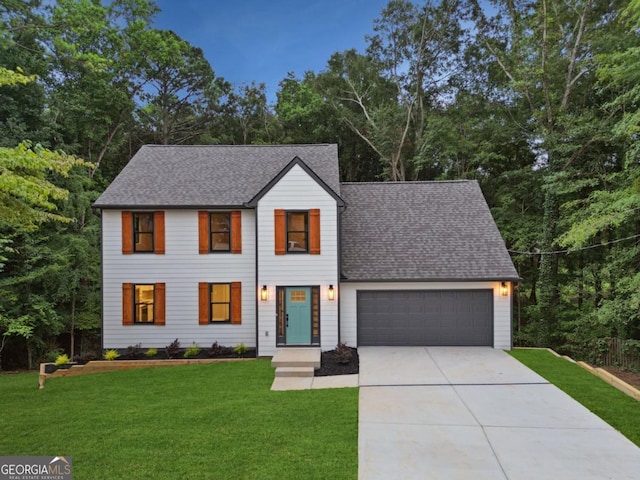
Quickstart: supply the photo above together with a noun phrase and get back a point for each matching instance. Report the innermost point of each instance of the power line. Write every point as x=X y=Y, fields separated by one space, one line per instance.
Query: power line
x=573 y=250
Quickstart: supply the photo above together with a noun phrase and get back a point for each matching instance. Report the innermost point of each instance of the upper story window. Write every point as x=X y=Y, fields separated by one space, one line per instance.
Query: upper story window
x=297 y=231
x=220 y=228
x=143 y=232
x=220 y=232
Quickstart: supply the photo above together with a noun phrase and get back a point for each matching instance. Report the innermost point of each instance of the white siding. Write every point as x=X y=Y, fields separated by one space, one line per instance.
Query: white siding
x=501 y=306
x=181 y=268
x=297 y=191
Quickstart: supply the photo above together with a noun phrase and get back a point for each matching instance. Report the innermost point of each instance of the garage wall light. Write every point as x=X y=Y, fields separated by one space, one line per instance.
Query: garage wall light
x=264 y=293
x=504 y=289
x=331 y=293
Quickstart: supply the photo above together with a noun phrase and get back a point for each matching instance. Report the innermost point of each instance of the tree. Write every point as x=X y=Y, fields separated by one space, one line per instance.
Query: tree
x=545 y=52
x=180 y=89
x=384 y=95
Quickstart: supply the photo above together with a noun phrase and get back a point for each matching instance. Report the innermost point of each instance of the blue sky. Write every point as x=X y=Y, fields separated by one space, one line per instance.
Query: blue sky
x=262 y=40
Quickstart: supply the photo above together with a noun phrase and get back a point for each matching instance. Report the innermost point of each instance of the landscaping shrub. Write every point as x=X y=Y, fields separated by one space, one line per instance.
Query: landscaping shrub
x=192 y=351
x=111 y=354
x=173 y=349
x=134 y=351
x=152 y=352
x=218 y=350
x=62 y=360
x=344 y=354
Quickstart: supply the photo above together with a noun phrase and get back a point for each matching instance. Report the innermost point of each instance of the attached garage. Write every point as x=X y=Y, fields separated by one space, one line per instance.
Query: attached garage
x=423 y=264
x=425 y=317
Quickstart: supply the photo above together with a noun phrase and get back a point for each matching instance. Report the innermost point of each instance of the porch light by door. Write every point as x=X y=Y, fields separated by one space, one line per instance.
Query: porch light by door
x=264 y=293
x=331 y=293
x=504 y=289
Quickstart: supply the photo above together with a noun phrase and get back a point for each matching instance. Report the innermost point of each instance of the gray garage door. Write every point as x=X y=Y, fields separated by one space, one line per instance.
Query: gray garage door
x=425 y=317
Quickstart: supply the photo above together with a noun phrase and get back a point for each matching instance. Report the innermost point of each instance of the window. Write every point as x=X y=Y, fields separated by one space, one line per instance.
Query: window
x=220 y=303
x=220 y=228
x=220 y=232
x=297 y=231
x=143 y=304
x=143 y=232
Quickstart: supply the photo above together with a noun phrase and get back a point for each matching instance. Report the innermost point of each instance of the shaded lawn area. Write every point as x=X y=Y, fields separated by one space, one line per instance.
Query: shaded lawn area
x=614 y=407
x=197 y=422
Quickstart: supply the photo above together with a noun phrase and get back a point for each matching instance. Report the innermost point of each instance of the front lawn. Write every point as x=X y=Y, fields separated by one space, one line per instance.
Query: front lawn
x=196 y=422
x=614 y=407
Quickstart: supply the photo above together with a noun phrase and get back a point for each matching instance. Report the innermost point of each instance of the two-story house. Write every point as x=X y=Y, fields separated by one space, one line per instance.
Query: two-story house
x=263 y=245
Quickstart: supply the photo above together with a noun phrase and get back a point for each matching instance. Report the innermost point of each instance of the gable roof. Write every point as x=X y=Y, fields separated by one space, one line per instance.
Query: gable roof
x=395 y=231
x=296 y=161
x=211 y=175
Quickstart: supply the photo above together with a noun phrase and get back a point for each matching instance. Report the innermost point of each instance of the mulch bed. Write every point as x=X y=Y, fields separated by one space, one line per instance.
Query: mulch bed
x=330 y=366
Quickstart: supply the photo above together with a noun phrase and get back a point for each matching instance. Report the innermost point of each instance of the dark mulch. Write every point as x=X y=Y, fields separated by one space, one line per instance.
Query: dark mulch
x=330 y=366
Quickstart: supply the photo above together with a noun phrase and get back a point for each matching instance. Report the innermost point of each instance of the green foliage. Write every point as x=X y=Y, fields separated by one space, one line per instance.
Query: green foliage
x=111 y=354
x=26 y=196
x=192 y=351
x=240 y=349
x=62 y=360
x=151 y=352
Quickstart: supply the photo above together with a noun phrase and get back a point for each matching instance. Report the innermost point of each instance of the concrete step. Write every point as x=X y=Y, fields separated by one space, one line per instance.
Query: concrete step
x=296 y=357
x=294 y=372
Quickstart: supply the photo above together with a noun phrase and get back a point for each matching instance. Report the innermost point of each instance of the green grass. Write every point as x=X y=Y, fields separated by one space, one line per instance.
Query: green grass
x=195 y=422
x=614 y=407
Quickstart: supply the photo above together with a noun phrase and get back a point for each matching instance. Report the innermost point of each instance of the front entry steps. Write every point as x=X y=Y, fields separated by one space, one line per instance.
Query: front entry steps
x=298 y=358
x=294 y=368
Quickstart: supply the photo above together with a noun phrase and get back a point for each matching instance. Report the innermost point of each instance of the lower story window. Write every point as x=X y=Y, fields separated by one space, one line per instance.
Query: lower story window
x=144 y=304
x=220 y=301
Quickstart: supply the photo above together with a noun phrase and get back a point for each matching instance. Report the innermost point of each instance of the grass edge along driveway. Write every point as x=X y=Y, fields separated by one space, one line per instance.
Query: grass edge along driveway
x=197 y=422
x=614 y=407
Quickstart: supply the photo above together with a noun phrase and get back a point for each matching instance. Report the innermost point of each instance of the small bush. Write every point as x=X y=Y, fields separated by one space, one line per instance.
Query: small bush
x=134 y=351
x=111 y=354
x=173 y=349
x=240 y=349
x=62 y=360
x=344 y=354
x=152 y=352
x=218 y=350
x=192 y=351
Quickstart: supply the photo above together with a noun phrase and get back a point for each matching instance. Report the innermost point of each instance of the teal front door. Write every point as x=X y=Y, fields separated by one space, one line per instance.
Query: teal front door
x=298 y=315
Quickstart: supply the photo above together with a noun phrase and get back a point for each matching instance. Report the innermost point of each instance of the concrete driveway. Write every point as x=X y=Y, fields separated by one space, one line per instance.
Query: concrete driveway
x=477 y=413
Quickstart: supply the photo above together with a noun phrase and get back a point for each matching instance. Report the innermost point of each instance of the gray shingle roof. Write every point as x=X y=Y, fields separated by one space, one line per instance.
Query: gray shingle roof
x=421 y=231
x=211 y=175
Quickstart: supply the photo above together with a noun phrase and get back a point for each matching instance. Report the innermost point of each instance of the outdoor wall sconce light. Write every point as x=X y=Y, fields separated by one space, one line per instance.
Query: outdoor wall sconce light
x=504 y=289
x=331 y=293
x=264 y=293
